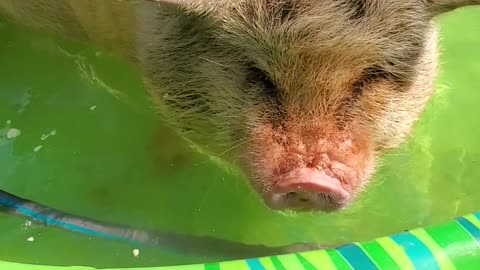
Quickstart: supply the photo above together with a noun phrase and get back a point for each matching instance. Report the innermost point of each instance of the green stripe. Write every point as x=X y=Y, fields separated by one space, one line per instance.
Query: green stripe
x=319 y=259
x=290 y=261
x=379 y=256
x=267 y=263
x=212 y=266
x=338 y=260
x=277 y=264
x=441 y=257
x=456 y=242
x=305 y=263
x=396 y=252
x=237 y=265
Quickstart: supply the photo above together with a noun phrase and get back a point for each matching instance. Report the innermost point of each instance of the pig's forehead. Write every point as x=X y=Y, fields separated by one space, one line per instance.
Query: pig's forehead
x=322 y=22
x=391 y=30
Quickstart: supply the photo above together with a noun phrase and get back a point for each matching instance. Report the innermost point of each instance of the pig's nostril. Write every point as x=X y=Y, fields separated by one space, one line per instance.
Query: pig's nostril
x=291 y=195
x=304 y=200
x=294 y=196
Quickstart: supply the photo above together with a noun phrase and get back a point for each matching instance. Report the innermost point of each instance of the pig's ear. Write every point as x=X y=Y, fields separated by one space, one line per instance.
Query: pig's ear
x=442 y=6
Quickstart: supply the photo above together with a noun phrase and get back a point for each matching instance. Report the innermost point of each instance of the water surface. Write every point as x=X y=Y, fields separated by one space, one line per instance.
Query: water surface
x=90 y=144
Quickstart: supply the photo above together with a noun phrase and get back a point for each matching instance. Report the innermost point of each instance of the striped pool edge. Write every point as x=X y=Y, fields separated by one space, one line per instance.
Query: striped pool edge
x=451 y=245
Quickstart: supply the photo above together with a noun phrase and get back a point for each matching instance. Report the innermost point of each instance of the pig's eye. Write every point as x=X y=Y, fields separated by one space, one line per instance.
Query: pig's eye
x=260 y=78
x=369 y=76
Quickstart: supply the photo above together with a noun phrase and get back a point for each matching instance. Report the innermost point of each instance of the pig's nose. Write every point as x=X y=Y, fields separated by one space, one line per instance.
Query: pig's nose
x=307 y=189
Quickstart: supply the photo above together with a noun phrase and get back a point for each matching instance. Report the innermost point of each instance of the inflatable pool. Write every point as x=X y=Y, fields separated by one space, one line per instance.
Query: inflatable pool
x=451 y=245
x=79 y=135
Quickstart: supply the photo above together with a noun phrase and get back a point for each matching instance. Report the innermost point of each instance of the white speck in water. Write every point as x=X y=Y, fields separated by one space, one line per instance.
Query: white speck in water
x=9 y=122
x=28 y=223
x=45 y=136
x=136 y=252
x=37 y=148
x=30 y=239
x=93 y=108
x=12 y=133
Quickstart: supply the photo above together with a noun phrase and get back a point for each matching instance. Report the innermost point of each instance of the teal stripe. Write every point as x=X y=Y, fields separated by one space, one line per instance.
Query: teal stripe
x=455 y=240
x=417 y=251
x=380 y=256
x=469 y=227
x=338 y=260
x=54 y=222
x=442 y=257
x=356 y=257
x=255 y=264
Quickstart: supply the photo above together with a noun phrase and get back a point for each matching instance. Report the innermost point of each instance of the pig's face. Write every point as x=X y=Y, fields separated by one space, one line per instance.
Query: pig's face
x=302 y=95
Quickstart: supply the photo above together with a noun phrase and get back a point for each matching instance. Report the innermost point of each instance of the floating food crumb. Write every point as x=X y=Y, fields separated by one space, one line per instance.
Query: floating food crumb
x=37 y=148
x=13 y=132
x=30 y=239
x=45 y=136
x=136 y=252
x=93 y=108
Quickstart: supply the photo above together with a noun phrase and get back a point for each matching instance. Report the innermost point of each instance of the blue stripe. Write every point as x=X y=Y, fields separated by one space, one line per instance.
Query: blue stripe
x=356 y=257
x=472 y=229
x=477 y=215
x=50 y=221
x=419 y=254
x=255 y=264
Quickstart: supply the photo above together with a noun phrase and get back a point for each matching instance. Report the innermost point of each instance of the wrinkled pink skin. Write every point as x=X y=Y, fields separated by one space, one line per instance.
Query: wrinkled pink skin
x=309 y=167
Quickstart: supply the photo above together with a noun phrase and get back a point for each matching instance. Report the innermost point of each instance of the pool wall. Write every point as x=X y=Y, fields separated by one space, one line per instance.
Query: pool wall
x=451 y=245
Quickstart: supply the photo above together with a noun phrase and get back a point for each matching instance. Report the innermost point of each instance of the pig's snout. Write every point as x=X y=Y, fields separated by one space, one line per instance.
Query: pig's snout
x=307 y=189
x=309 y=167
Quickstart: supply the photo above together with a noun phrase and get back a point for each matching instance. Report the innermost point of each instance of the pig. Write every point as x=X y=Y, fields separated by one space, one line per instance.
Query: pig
x=301 y=96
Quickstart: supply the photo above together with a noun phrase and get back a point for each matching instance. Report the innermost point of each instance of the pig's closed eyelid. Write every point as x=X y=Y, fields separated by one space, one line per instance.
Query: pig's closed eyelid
x=374 y=74
x=257 y=76
x=369 y=76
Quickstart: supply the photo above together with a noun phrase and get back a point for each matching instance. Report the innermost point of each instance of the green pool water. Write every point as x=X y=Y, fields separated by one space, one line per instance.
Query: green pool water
x=90 y=144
